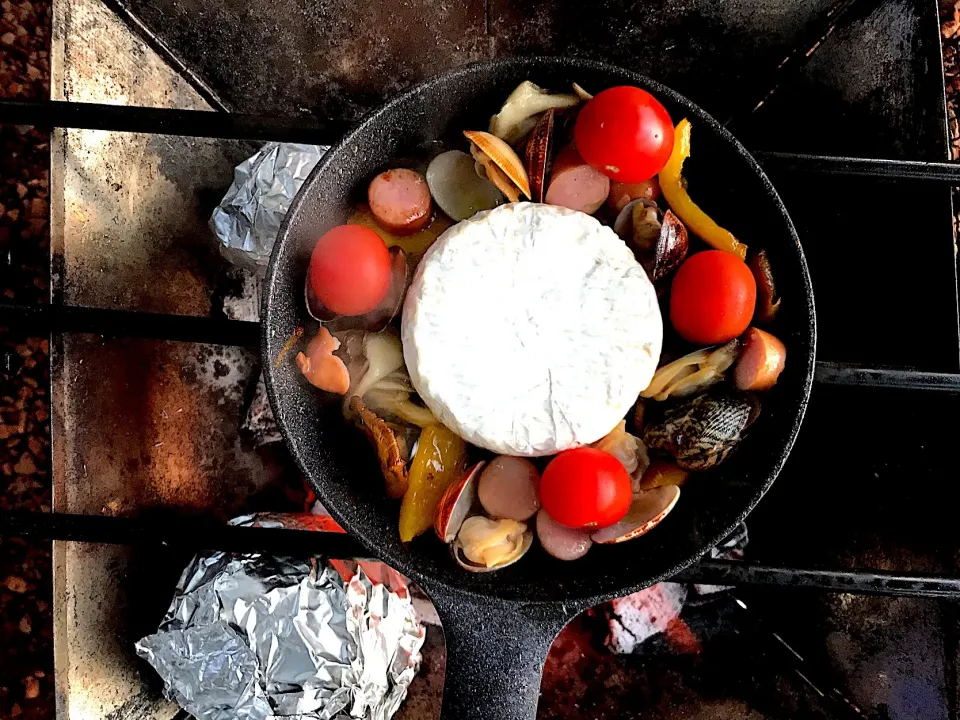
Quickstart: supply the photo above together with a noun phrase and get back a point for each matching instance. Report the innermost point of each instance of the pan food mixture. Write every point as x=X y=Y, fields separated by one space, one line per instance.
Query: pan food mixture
x=540 y=331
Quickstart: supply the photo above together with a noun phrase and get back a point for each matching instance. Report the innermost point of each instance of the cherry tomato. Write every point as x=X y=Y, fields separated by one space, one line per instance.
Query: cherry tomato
x=350 y=270
x=625 y=133
x=712 y=297
x=585 y=488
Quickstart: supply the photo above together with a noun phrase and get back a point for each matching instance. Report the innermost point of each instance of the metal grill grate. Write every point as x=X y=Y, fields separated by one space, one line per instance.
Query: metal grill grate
x=196 y=535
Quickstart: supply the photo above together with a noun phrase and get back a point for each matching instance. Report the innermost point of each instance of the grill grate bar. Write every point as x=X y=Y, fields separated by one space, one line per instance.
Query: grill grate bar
x=946 y=172
x=204 y=535
x=46 y=319
x=861 y=582
x=235 y=126
x=176 y=532
x=829 y=373
x=165 y=121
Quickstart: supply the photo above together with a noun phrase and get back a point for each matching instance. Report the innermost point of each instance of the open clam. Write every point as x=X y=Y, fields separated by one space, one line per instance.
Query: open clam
x=538 y=155
x=315 y=308
x=378 y=318
x=456 y=503
x=659 y=240
x=648 y=510
x=501 y=164
x=661 y=473
x=693 y=372
x=484 y=545
x=456 y=187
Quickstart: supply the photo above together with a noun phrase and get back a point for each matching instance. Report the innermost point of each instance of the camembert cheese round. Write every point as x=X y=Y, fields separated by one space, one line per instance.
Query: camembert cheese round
x=530 y=329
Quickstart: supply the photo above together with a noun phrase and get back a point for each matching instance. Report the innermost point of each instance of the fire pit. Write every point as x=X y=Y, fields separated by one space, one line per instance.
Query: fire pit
x=145 y=429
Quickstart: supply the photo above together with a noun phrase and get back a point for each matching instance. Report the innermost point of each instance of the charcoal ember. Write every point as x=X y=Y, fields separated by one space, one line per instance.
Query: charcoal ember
x=657 y=610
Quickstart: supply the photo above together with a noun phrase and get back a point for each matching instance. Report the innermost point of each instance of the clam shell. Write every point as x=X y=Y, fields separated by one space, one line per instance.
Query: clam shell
x=456 y=503
x=495 y=155
x=470 y=566
x=702 y=431
x=315 y=308
x=623 y=225
x=768 y=302
x=672 y=247
x=537 y=156
x=662 y=473
x=648 y=509
x=456 y=187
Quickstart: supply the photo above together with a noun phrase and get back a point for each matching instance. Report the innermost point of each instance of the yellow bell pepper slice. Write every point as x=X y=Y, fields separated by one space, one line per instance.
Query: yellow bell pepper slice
x=413 y=245
x=440 y=459
x=696 y=220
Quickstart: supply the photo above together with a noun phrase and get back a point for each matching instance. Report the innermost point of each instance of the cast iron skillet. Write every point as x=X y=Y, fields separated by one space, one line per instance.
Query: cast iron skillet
x=498 y=626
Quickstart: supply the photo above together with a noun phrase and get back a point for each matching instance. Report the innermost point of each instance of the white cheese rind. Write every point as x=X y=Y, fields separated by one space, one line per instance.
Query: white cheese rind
x=530 y=329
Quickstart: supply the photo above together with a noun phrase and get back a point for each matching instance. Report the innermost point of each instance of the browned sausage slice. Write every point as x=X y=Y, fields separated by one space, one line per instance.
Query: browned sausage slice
x=576 y=185
x=761 y=361
x=400 y=200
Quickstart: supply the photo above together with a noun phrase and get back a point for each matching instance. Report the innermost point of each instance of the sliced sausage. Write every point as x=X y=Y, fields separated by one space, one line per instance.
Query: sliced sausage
x=761 y=361
x=400 y=200
x=509 y=488
x=560 y=541
x=622 y=193
x=576 y=185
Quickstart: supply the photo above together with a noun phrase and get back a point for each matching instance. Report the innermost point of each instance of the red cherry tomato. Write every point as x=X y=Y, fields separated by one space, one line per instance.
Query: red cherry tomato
x=585 y=488
x=350 y=270
x=625 y=133
x=712 y=297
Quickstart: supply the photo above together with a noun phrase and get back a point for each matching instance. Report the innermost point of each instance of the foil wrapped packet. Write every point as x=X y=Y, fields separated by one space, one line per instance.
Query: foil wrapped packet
x=259 y=637
x=248 y=218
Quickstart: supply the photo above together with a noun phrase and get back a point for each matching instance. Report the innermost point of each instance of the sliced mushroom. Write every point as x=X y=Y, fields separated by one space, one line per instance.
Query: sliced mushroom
x=389 y=452
x=520 y=112
x=581 y=93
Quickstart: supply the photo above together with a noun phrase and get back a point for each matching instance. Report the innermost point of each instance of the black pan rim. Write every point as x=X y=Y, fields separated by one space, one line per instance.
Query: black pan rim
x=584 y=599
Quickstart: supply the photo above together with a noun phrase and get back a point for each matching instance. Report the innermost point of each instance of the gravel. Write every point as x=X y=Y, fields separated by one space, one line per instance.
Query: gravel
x=26 y=635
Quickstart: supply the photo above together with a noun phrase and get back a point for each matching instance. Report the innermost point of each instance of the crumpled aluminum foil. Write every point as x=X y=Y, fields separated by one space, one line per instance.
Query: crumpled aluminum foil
x=248 y=218
x=258 y=637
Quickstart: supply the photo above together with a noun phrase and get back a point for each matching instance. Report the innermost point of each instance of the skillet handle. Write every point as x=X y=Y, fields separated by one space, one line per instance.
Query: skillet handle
x=495 y=653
